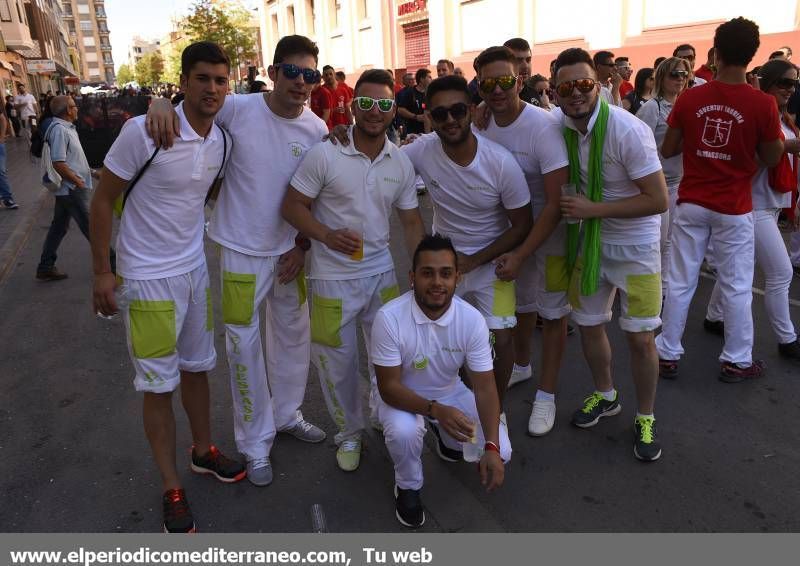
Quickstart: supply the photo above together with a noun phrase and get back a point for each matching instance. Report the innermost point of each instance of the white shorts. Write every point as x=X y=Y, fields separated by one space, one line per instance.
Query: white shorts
x=552 y=278
x=170 y=327
x=493 y=298
x=525 y=286
x=633 y=269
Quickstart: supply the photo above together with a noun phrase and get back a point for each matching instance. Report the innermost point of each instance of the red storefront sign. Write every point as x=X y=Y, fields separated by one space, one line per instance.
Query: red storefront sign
x=411 y=7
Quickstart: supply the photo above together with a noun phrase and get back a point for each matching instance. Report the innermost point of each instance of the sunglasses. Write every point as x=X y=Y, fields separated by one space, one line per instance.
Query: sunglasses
x=785 y=83
x=678 y=74
x=457 y=111
x=291 y=72
x=365 y=103
x=583 y=85
x=506 y=82
x=612 y=64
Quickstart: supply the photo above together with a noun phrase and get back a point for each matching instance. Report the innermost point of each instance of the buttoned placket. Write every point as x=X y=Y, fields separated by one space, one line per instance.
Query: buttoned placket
x=199 y=158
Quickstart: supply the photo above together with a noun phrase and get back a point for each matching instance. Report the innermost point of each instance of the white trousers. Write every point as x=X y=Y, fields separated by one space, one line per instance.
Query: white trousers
x=336 y=308
x=732 y=239
x=666 y=232
x=404 y=431
x=260 y=409
x=773 y=259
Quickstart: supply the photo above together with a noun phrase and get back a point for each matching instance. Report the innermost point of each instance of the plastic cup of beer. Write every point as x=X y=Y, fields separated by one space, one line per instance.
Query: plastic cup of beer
x=570 y=190
x=358 y=228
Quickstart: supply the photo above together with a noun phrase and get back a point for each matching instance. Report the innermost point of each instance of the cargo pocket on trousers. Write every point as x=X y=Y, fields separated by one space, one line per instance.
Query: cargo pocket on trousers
x=326 y=321
x=238 y=296
x=152 y=328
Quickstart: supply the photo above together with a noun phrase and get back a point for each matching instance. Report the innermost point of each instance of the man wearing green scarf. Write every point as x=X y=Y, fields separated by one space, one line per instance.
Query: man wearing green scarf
x=614 y=165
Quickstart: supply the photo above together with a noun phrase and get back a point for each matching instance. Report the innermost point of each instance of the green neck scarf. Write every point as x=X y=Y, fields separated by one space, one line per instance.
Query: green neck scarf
x=594 y=192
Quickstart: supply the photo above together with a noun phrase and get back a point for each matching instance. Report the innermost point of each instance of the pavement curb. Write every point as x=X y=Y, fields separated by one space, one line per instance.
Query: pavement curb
x=18 y=238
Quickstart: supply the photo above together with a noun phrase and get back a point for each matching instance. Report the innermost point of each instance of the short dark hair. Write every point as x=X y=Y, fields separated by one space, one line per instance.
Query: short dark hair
x=375 y=76
x=434 y=243
x=518 y=44
x=340 y=76
x=658 y=61
x=776 y=54
x=601 y=56
x=622 y=59
x=537 y=78
x=326 y=67
x=294 y=45
x=442 y=84
x=683 y=47
x=256 y=86
x=205 y=52
x=421 y=74
x=736 y=42
x=492 y=55
x=447 y=62
x=573 y=56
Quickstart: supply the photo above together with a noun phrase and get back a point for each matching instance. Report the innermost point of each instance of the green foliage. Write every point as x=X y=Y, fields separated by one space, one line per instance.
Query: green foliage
x=124 y=75
x=224 y=23
x=149 y=68
x=172 y=64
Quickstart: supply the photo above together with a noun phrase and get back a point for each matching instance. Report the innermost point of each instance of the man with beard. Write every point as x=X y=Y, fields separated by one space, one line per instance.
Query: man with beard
x=419 y=343
x=341 y=197
x=615 y=168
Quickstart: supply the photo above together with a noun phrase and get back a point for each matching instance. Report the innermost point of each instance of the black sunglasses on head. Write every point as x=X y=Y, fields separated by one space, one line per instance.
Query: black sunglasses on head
x=457 y=111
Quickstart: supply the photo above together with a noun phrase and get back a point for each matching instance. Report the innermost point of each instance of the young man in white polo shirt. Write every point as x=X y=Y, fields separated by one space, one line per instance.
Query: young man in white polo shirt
x=420 y=341
x=481 y=202
x=342 y=197
x=537 y=266
x=261 y=257
x=163 y=269
x=614 y=164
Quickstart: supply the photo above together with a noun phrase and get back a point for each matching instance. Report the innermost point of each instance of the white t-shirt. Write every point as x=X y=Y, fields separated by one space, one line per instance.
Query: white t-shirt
x=29 y=101
x=469 y=203
x=161 y=231
x=764 y=196
x=266 y=152
x=430 y=351
x=654 y=113
x=351 y=191
x=629 y=153
x=536 y=142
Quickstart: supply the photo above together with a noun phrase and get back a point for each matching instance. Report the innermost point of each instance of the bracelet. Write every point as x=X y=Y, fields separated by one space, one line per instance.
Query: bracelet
x=302 y=242
x=491 y=446
x=430 y=408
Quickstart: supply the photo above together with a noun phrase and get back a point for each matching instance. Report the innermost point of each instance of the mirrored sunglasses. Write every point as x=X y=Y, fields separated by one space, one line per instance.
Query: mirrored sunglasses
x=506 y=82
x=365 y=103
x=291 y=72
x=678 y=74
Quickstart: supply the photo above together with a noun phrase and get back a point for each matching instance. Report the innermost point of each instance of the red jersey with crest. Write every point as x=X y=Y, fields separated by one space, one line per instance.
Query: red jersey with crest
x=722 y=125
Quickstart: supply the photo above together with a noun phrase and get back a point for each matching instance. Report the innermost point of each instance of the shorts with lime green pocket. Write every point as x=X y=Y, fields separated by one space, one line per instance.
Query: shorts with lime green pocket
x=495 y=300
x=552 y=276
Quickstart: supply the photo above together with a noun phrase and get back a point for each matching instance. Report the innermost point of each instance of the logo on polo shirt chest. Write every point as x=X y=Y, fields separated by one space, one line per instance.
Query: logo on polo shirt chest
x=297 y=149
x=420 y=362
x=391 y=180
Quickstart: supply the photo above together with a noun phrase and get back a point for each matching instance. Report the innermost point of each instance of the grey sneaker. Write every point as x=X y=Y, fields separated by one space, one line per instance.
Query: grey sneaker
x=259 y=471
x=305 y=431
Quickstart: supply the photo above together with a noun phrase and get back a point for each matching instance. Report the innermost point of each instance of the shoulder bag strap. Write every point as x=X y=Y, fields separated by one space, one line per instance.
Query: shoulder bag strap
x=137 y=177
x=213 y=190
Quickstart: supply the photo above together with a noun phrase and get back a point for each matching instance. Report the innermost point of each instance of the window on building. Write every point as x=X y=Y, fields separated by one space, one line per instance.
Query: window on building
x=88 y=41
x=362 y=9
x=91 y=57
x=86 y=26
x=21 y=14
x=83 y=8
x=335 y=9
x=290 y=20
x=5 y=11
x=275 y=33
x=311 y=14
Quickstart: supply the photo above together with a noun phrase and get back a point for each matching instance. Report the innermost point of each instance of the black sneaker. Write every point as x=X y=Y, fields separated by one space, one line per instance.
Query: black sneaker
x=594 y=408
x=51 y=275
x=796 y=269
x=732 y=373
x=445 y=453
x=667 y=369
x=714 y=327
x=408 y=507
x=790 y=350
x=645 y=442
x=177 y=514
x=9 y=203
x=218 y=465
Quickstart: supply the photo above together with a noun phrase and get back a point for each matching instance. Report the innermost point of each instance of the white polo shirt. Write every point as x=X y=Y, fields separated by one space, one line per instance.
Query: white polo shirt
x=536 y=142
x=469 y=203
x=430 y=351
x=352 y=191
x=161 y=231
x=266 y=152
x=629 y=153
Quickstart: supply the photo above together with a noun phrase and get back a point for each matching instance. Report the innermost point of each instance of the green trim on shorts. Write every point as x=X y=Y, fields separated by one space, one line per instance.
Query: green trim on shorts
x=326 y=321
x=302 y=287
x=504 y=299
x=238 y=298
x=644 y=295
x=556 y=276
x=153 y=333
x=390 y=293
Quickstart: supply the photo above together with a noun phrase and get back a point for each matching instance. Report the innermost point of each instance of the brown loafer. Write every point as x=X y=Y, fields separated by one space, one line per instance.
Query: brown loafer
x=51 y=275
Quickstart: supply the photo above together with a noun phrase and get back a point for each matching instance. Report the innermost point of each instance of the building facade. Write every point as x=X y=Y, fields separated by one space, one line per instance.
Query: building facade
x=354 y=35
x=87 y=24
x=139 y=48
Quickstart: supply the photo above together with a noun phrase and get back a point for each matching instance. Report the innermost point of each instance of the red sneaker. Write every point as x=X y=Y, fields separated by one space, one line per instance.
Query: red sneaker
x=731 y=373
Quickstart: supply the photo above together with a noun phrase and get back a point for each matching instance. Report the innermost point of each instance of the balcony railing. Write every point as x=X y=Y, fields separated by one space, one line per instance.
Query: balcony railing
x=100 y=15
x=105 y=48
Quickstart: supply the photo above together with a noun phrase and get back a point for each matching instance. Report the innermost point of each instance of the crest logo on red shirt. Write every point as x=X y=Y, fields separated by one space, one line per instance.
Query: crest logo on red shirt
x=717 y=132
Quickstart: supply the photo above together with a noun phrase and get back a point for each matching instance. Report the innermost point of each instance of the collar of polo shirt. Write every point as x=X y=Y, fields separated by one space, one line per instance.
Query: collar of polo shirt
x=421 y=318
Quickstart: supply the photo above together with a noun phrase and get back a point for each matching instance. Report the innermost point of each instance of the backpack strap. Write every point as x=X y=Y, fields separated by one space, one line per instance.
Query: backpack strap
x=213 y=190
x=137 y=177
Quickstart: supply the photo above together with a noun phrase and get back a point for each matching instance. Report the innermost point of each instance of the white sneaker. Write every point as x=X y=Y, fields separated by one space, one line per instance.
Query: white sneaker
x=518 y=376
x=543 y=417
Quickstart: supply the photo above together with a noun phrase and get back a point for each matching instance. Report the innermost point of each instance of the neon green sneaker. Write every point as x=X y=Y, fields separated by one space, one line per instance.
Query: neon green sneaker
x=646 y=446
x=348 y=455
x=594 y=408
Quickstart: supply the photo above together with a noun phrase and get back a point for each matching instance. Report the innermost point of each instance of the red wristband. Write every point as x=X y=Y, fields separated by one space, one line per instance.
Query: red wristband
x=491 y=446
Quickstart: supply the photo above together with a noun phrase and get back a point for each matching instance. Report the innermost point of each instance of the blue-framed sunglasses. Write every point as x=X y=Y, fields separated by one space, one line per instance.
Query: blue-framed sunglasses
x=291 y=72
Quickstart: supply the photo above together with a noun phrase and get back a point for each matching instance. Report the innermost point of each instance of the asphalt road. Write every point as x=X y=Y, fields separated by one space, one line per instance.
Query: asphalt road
x=74 y=458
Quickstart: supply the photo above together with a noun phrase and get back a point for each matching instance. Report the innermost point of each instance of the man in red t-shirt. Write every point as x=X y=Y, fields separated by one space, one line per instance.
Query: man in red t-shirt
x=340 y=114
x=720 y=127
x=321 y=104
x=625 y=70
x=705 y=70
